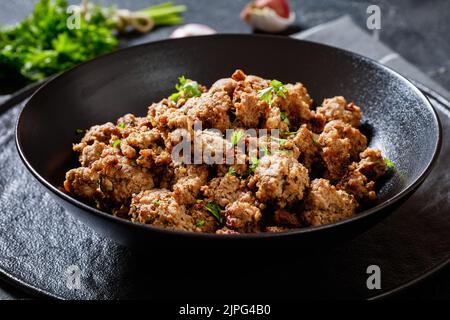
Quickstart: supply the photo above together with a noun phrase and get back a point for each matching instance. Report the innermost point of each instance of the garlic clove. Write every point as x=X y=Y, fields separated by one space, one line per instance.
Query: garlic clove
x=192 y=29
x=266 y=19
x=281 y=7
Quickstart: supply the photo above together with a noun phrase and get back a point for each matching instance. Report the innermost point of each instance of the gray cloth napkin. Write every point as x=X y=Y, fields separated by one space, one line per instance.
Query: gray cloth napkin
x=345 y=34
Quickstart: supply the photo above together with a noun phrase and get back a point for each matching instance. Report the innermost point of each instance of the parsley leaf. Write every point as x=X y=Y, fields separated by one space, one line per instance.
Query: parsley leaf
x=279 y=140
x=265 y=150
x=214 y=209
x=389 y=163
x=121 y=125
x=278 y=88
x=232 y=172
x=187 y=88
x=116 y=143
x=236 y=137
x=268 y=94
x=254 y=162
x=200 y=223
x=284 y=118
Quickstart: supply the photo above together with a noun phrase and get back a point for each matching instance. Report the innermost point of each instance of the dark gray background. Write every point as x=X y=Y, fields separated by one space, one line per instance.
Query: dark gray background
x=416 y=29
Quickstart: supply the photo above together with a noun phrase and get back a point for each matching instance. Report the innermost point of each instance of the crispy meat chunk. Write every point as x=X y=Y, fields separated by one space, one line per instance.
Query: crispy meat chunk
x=226 y=84
x=337 y=108
x=249 y=109
x=280 y=179
x=111 y=180
x=296 y=104
x=187 y=182
x=275 y=229
x=100 y=133
x=372 y=164
x=157 y=207
x=341 y=144
x=284 y=218
x=203 y=220
x=224 y=190
x=91 y=153
x=243 y=217
x=325 y=204
x=360 y=178
x=307 y=144
x=211 y=109
x=213 y=147
x=275 y=121
x=146 y=146
x=226 y=230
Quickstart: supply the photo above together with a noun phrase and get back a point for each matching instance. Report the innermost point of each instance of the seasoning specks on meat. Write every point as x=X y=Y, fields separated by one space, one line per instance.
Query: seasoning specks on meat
x=159 y=208
x=325 y=204
x=315 y=169
x=281 y=179
x=337 y=108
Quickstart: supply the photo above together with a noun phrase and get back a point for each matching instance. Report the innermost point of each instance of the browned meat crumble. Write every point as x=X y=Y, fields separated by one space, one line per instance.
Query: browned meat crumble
x=319 y=169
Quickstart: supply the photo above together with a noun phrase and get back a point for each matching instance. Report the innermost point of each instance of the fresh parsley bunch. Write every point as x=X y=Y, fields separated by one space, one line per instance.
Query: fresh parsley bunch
x=42 y=44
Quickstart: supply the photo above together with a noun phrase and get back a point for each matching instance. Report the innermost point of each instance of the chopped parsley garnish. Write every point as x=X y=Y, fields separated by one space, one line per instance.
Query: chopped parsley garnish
x=187 y=88
x=389 y=163
x=200 y=223
x=156 y=203
x=278 y=88
x=116 y=143
x=268 y=94
x=265 y=150
x=79 y=131
x=236 y=137
x=254 y=162
x=284 y=118
x=121 y=125
x=232 y=172
x=279 y=140
x=214 y=209
x=285 y=152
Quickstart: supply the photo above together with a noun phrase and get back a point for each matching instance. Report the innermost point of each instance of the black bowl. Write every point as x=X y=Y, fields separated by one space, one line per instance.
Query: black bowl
x=397 y=116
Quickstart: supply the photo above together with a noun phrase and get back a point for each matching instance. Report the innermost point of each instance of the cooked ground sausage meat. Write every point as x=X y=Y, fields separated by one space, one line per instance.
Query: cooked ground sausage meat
x=291 y=165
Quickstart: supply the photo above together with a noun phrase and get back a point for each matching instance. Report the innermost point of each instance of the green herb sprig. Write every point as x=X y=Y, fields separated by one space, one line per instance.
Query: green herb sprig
x=43 y=44
x=236 y=137
x=116 y=143
x=389 y=163
x=214 y=209
x=186 y=88
x=268 y=94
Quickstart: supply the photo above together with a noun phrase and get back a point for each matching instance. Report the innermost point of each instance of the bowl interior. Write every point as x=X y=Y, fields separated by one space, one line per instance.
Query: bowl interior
x=397 y=117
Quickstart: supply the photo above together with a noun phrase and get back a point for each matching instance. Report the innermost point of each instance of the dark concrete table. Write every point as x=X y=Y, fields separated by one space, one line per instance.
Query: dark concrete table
x=418 y=30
